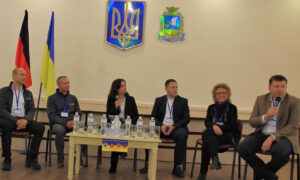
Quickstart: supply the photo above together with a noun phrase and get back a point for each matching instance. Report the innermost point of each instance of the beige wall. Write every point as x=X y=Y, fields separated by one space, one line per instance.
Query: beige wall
x=241 y=42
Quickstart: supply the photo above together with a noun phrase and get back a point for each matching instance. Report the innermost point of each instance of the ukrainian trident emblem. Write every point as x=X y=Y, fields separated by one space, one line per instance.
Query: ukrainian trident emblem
x=125 y=22
x=171 y=25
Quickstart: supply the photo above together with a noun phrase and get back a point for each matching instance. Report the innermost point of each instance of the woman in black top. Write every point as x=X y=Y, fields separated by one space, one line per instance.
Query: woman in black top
x=221 y=128
x=120 y=103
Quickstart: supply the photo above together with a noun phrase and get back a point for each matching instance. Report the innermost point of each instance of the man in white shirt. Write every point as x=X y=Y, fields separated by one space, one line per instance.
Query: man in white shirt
x=16 y=113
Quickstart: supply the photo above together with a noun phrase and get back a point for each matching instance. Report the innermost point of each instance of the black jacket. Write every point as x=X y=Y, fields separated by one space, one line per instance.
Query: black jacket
x=181 y=112
x=54 y=108
x=6 y=98
x=130 y=108
x=229 y=118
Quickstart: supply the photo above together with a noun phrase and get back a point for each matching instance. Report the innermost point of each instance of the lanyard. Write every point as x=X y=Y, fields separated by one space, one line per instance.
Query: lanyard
x=64 y=105
x=221 y=117
x=17 y=96
x=273 y=103
x=170 y=109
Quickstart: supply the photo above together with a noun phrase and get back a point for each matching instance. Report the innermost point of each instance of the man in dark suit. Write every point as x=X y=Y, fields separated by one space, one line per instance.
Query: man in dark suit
x=171 y=112
x=275 y=116
x=16 y=113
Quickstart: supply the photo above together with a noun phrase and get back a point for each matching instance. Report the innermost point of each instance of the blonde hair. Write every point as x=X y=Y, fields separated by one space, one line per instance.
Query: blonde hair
x=221 y=85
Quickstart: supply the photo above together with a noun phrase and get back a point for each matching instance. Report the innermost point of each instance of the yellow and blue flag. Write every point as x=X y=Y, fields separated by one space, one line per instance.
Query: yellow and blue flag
x=48 y=68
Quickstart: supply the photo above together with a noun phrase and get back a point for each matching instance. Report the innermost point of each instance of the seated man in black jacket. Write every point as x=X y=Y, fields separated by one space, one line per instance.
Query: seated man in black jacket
x=16 y=113
x=61 y=108
x=171 y=112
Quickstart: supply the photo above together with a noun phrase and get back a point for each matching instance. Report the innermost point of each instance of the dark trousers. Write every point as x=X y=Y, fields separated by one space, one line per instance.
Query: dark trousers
x=37 y=129
x=280 y=152
x=179 y=135
x=60 y=132
x=114 y=158
x=209 y=146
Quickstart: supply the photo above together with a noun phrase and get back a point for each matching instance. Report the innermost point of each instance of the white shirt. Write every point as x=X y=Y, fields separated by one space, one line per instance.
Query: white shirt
x=122 y=109
x=168 y=120
x=17 y=109
x=270 y=126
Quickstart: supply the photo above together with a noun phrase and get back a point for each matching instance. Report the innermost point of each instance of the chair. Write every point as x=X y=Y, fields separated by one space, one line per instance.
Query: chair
x=220 y=149
x=292 y=163
x=164 y=141
x=27 y=136
x=66 y=138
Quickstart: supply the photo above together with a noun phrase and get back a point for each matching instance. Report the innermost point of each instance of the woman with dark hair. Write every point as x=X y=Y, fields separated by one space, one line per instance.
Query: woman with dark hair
x=120 y=103
x=221 y=128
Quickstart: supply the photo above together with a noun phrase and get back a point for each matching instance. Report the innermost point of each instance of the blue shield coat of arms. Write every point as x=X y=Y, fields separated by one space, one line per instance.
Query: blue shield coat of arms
x=125 y=22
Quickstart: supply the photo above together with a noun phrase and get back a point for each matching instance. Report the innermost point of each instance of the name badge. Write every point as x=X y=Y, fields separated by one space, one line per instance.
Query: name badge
x=272 y=122
x=220 y=123
x=17 y=111
x=64 y=114
x=169 y=121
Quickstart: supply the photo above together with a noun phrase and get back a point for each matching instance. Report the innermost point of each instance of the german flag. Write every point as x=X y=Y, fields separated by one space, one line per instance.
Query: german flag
x=22 y=55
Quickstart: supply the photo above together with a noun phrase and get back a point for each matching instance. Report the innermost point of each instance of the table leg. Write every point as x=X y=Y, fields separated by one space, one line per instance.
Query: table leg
x=152 y=164
x=77 y=163
x=71 y=159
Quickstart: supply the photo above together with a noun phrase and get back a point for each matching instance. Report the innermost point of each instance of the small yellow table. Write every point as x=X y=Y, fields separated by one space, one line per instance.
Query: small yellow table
x=75 y=140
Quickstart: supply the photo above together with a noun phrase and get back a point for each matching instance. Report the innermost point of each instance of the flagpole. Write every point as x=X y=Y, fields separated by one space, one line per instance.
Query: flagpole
x=38 y=103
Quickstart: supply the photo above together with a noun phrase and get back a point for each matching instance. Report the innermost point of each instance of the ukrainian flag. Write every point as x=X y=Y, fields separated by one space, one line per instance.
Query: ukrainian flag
x=48 y=69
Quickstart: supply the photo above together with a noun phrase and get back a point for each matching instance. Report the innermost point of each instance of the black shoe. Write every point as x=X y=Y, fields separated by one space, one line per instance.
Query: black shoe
x=257 y=176
x=33 y=164
x=60 y=163
x=215 y=163
x=144 y=170
x=6 y=164
x=113 y=169
x=178 y=172
x=273 y=177
x=201 y=176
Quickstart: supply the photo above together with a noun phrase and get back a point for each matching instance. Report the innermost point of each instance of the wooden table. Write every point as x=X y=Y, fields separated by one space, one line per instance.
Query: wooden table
x=79 y=139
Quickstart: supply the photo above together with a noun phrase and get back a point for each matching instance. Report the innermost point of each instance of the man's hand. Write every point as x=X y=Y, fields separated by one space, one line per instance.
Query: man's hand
x=70 y=124
x=117 y=104
x=163 y=129
x=217 y=130
x=21 y=124
x=270 y=113
x=170 y=130
x=267 y=144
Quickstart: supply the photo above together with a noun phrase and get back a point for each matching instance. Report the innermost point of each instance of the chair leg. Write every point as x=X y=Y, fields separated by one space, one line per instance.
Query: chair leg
x=184 y=157
x=135 y=159
x=86 y=156
x=28 y=146
x=298 y=167
x=239 y=166
x=99 y=156
x=50 y=148
x=47 y=144
x=245 y=171
x=194 y=159
x=233 y=164
x=292 y=167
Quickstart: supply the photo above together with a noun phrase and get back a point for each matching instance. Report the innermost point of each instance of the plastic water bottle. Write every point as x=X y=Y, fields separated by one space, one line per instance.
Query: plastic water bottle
x=127 y=126
x=139 y=124
x=90 y=123
x=103 y=124
x=116 y=125
x=151 y=128
x=76 y=123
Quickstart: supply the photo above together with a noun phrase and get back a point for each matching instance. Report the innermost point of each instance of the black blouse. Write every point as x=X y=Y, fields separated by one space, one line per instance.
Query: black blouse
x=229 y=118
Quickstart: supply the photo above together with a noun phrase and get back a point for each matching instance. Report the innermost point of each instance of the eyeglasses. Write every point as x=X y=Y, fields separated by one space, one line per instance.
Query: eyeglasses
x=221 y=93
